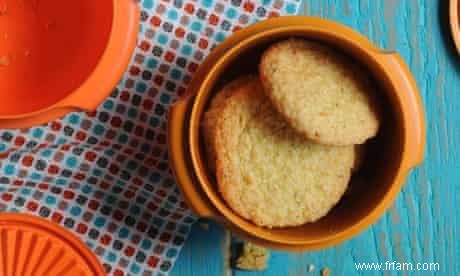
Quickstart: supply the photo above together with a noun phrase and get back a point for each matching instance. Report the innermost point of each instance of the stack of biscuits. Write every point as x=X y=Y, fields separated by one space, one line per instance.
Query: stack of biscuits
x=283 y=143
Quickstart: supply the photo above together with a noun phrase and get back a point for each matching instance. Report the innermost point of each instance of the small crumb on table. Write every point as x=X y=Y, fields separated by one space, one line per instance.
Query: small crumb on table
x=325 y=272
x=310 y=268
x=253 y=257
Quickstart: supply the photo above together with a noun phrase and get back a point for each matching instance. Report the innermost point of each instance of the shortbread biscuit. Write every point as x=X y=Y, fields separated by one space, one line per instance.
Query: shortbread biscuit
x=322 y=93
x=267 y=172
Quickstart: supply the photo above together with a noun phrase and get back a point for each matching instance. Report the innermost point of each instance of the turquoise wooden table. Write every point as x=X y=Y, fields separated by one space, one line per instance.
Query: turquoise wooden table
x=423 y=226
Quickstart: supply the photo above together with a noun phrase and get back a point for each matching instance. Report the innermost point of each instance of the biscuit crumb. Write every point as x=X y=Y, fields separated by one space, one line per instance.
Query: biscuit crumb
x=310 y=268
x=253 y=257
x=325 y=272
x=4 y=61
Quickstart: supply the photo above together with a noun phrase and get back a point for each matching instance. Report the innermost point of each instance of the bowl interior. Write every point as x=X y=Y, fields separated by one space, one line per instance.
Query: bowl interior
x=49 y=47
x=368 y=185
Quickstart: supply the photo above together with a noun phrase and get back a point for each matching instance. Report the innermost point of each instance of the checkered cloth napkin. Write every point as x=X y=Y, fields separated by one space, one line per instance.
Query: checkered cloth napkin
x=104 y=176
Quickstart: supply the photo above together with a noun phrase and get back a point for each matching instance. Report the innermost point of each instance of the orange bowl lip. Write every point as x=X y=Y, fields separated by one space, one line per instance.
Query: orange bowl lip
x=359 y=43
x=58 y=231
x=120 y=44
x=455 y=22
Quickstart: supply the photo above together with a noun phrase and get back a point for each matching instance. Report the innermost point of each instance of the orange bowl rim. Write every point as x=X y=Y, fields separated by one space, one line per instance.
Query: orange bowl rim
x=455 y=22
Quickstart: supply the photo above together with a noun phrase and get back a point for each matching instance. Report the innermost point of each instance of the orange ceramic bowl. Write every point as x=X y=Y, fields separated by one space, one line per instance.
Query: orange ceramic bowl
x=57 y=57
x=398 y=147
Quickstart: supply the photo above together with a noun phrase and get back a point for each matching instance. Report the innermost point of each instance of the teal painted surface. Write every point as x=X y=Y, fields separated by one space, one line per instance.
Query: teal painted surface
x=204 y=253
x=424 y=223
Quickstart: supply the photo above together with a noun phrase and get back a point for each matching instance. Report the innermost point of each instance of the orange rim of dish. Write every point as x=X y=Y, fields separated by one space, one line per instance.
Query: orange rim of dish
x=455 y=22
x=104 y=78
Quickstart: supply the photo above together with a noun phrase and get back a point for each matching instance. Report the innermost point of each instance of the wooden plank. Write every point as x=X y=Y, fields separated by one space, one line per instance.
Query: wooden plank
x=204 y=252
x=424 y=224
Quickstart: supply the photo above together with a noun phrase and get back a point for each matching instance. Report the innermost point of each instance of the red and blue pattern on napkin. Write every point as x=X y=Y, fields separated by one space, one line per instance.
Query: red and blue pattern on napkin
x=105 y=175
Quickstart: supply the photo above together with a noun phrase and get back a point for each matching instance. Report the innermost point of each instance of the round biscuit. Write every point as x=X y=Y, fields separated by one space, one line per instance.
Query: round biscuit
x=321 y=92
x=267 y=172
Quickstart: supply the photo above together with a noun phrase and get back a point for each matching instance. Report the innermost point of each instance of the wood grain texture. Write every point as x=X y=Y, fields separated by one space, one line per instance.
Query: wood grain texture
x=204 y=252
x=424 y=223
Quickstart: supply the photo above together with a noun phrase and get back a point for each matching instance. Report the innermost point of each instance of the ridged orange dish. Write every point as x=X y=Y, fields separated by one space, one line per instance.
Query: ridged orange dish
x=32 y=246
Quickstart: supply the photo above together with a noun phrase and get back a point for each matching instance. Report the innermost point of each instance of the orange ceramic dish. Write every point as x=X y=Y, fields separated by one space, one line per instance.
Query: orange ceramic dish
x=58 y=58
x=34 y=246
x=398 y=148
x=455 y=22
